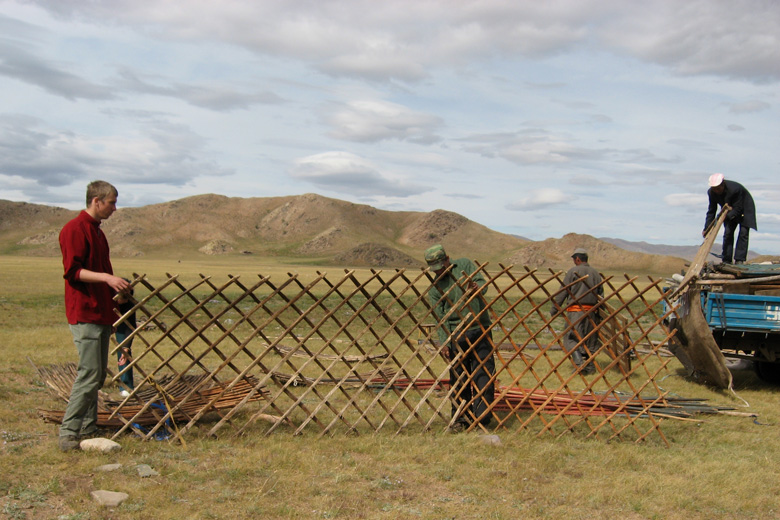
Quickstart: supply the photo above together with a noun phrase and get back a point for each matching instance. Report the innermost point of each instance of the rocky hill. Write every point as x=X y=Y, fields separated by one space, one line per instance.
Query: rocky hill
x=307 y=228
x=556 y=253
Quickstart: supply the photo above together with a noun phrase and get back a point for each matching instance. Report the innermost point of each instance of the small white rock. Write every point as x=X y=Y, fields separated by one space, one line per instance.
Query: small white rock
x=493 y=440
x=100 y=444
x=109 y=498
x=145 y=470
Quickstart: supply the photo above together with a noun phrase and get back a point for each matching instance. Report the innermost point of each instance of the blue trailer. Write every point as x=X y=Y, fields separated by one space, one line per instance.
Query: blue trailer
x=741 y=313
x=746 y=324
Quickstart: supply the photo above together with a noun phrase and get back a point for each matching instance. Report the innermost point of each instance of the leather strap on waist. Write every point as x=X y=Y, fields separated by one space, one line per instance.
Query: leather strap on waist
x=579 y=308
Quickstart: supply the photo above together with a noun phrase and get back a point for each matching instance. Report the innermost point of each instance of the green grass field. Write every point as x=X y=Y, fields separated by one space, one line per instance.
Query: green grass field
x=719 y=467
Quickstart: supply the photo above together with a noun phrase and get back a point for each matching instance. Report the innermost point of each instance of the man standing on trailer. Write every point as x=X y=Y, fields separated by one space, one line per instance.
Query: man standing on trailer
x=742 y=214
x=90 y=285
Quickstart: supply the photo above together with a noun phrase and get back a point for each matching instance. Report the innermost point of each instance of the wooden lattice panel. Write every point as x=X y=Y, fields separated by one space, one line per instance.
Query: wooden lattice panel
x=357 y=352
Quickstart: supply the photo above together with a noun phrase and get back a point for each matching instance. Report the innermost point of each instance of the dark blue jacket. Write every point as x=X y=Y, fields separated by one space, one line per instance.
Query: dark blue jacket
x=743 y=209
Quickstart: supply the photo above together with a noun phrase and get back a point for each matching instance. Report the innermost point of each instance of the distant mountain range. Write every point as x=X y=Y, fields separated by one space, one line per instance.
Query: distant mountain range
x=314 y=229
x=686 y=252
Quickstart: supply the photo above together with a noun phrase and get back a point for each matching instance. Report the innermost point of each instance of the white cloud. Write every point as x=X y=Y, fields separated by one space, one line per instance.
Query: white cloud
x=540 y=199
x=213 y=96
x=25 y=66
x=159 y=153
x=747 y=107
x=768 y=192
x=465 y=195
x=755 y=236
x=686 y=200
x=372 y=121
x=344 y=172
x=734 y=39
x=403 y=40
x=528 y=147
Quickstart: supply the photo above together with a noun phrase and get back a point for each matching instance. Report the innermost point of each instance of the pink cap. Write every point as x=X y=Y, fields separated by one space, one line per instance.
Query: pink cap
x=715 y=179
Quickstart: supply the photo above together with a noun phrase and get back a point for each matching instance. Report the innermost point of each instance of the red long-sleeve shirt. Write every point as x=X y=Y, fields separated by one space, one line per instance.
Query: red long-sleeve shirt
x=84 y=246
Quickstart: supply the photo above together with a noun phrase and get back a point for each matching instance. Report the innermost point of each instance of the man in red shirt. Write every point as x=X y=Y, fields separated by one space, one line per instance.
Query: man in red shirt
x=90 y=285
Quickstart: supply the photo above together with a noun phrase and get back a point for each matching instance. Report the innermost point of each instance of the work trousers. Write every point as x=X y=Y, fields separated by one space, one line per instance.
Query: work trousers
x=583 y=324
x=470 y=375
x=729 y=228
x=92 y=344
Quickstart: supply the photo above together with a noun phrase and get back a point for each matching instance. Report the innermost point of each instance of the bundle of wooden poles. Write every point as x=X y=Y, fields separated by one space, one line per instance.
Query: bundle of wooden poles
x=189 y=395
x=598 y=404
x=515 y=399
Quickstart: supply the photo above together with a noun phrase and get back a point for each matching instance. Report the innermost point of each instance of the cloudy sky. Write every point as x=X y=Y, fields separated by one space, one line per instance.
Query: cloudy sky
x=535 y=118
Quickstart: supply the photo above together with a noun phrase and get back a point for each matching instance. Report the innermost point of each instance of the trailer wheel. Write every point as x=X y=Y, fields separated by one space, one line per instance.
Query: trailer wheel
x=769 y=372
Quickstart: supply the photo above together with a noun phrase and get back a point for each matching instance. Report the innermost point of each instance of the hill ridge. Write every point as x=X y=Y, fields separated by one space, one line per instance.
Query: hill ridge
x=308 y=227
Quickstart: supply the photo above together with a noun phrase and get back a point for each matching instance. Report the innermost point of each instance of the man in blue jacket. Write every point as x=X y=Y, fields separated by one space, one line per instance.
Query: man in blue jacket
x=742 y=214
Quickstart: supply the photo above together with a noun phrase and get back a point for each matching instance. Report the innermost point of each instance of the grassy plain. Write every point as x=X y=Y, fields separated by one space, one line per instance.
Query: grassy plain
x=721 y=467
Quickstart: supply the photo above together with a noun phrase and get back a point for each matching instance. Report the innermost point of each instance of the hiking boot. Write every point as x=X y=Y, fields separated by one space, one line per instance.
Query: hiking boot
x=457 y=427
x=584 y=369
x=68 y=443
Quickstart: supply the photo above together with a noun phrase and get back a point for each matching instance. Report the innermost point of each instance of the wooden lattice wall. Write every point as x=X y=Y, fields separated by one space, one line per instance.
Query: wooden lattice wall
x=357 y=352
